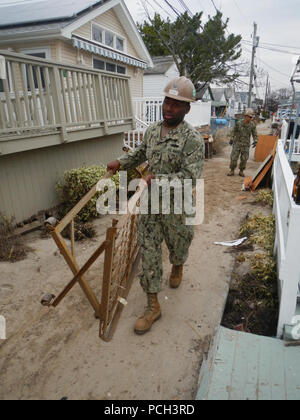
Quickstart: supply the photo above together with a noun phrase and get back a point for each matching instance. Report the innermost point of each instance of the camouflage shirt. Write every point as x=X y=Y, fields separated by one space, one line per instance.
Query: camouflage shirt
x=242 y=133
x=180 y=154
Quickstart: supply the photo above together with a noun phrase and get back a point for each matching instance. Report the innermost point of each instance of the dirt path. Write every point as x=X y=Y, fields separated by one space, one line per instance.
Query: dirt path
x=56 y=353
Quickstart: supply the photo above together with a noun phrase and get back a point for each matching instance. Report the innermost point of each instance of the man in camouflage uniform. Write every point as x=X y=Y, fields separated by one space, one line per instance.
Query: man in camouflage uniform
x=174 y=150
x=241 y=143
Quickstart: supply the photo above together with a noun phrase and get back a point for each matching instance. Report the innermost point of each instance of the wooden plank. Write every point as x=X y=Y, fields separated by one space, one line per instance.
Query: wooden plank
x=2 y=116
x=25 y=93
x=82 y=98
x=80 y=273
x=41 y=95
x=264 y=147
x=10 y=109
x=36 y=117
x=71 y=100
x=49 y=96
x=65 y=100
x=91 y=97
x=106 y=284
x=251 y=367
x=75 y=269
x=221 y=384
x=19 y=108
x=100 y=89
x=75 y=95
x=58 y=106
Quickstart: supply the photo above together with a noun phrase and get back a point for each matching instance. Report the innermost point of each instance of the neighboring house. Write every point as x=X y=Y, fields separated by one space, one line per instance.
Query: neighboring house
x=156 y=78
x=204 y=92
x=68 y=71
x=219 y=103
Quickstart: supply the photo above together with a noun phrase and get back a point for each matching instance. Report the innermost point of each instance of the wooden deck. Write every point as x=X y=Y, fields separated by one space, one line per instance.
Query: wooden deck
x=45 y=103
x=249 y=367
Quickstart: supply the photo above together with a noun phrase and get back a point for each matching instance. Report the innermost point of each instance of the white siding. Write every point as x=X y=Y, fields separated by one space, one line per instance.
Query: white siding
x=154 y=84
x=172 y=72
x=28 y=179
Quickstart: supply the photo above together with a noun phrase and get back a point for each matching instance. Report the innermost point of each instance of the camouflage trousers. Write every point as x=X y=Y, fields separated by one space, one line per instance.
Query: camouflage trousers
x=239 y=151
x=153 y=229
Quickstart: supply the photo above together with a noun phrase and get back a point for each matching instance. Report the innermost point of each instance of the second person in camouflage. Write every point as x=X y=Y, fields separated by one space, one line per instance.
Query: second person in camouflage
x=174 y=150
x=241 y=143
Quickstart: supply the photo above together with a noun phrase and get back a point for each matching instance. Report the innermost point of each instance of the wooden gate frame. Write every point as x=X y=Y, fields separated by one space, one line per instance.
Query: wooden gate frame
x=108 y=313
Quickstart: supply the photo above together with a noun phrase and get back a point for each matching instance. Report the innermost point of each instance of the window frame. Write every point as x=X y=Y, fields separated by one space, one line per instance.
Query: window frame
x=31 y=52
x=110 y=62
x=115 y=36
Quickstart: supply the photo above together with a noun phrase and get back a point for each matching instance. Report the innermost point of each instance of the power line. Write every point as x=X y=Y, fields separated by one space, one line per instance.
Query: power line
x=272 y=49
x=242 y=14
x=159 y=5
x=214 y=5
x=277 y=45
x=185 y=7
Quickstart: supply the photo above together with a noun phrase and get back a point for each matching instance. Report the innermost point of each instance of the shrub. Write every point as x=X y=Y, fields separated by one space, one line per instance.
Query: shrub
x=11 y=247
x=75 y=184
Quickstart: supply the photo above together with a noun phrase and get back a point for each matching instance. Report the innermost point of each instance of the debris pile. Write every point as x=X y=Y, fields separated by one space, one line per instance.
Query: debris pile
x=11 y=246
x=252 y=304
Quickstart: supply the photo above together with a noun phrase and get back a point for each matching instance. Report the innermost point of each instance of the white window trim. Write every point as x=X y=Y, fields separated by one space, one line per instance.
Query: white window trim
x=46 y=50
x=115 y=35
x=110 y=62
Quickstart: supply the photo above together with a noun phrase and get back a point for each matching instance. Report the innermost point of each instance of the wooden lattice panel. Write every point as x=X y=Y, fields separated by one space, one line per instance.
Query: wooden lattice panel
x=123 y=257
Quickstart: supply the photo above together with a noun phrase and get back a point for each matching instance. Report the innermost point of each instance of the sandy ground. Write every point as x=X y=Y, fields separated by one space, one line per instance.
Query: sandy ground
x=55 y=353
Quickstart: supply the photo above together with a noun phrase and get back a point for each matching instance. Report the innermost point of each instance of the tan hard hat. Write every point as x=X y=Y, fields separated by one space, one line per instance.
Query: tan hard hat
x=249 y=112
x=181 y=89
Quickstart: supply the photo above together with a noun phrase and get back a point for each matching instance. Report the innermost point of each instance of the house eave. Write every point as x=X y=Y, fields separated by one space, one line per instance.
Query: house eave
x=32 y=36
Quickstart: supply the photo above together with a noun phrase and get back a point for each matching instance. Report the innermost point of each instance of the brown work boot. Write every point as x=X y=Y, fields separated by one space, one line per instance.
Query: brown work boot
x=152 y=314
x=231 y=173
x=176 y=276
x=242 y=174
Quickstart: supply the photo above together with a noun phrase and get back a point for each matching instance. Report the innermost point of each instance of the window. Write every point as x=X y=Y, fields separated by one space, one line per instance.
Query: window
x=108 y=38
x=97 y=34
x=120 y=44
x=121 y=69
x=105 y=65
x=39 y=55
x=110 y=67
x=98 y=64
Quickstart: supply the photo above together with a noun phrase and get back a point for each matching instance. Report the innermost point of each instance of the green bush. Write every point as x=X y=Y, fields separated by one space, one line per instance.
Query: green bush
x=75 y=184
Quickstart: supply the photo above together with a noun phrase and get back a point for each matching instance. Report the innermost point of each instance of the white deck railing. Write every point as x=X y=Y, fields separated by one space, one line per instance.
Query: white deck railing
x=287 y=215
x=43 y=96
x=148 y=110
x=135 y=137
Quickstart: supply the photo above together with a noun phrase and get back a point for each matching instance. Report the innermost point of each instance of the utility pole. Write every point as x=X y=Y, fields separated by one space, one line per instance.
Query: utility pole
x=255 y=45
x=267 y=89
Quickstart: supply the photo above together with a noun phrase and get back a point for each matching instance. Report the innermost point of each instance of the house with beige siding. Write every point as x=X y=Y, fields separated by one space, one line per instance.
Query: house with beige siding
x=68 y=72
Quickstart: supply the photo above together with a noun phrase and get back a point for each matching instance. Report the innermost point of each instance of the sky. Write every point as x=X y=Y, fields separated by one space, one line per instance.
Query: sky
x=278 y=23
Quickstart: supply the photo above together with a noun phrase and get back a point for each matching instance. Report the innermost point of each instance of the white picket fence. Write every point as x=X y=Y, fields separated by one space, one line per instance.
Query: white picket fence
x=149 y=110
x=287 y=215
